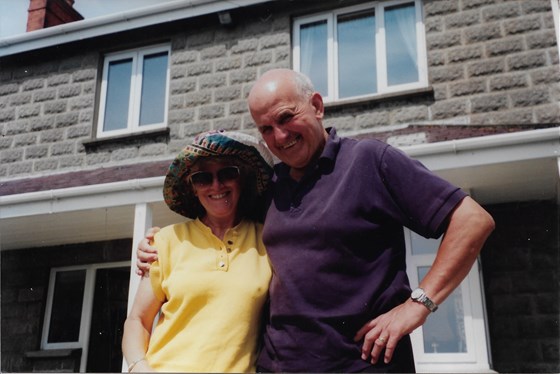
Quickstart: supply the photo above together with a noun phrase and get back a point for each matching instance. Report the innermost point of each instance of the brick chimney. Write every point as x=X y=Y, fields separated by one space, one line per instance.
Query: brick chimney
x=47 y=13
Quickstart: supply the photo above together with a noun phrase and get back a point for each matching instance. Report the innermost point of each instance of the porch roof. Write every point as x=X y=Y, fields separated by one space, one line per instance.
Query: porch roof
x=499 y=168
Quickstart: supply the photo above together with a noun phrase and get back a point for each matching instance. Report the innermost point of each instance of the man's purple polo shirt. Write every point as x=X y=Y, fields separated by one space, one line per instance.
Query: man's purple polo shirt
x=336 y=245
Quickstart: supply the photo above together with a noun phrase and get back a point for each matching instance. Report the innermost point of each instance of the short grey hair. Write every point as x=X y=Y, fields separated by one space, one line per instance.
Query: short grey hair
x=303 y=84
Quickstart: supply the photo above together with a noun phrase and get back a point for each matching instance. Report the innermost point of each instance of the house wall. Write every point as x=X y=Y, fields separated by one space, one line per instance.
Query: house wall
x=25 y=280
x=520 y=263
x=489 y=63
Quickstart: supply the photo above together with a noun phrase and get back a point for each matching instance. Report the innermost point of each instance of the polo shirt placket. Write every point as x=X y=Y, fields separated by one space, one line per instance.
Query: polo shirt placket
x=224 y=249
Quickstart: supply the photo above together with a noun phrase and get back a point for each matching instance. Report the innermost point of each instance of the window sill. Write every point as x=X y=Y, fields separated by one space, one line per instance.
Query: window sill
x=53 y=353
x=126 y=139
x=380 y=98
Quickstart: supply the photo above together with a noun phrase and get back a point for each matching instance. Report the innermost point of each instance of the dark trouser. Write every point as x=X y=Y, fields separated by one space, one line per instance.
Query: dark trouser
x=403 y=361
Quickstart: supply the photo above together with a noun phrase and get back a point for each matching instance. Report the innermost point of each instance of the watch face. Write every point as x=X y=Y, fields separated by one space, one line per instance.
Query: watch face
x=417 y=293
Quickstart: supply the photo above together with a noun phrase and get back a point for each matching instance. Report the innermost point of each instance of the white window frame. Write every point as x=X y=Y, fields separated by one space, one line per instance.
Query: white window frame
x=555 y=4
x=87 y=308
x=477 y=357
x=332 y=48
x=137 y=57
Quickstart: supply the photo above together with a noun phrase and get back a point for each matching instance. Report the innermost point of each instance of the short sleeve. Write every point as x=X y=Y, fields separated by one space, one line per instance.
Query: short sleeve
x=425 y=198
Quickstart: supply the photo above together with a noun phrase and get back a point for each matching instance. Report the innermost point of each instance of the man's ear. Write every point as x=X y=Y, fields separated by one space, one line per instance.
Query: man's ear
x=317 y=102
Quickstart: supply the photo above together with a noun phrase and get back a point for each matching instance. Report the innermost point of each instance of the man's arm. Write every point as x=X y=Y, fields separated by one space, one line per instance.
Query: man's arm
x=469 y=227
x=145 y=253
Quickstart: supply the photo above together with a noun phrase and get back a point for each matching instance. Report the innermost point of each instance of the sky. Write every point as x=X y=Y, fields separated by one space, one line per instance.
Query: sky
x=13 y=13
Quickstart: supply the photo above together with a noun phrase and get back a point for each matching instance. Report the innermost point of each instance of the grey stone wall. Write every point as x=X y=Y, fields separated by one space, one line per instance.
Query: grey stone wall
x=494 y=62
x=46 y=109
x=520 y=263
x=490 y=62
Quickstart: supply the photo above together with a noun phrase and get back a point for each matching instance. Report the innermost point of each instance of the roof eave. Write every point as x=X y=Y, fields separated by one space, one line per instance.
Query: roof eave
x=117 y=22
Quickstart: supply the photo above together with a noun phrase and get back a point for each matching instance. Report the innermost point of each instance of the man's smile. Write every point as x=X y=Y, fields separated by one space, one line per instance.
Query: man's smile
x=292 y=143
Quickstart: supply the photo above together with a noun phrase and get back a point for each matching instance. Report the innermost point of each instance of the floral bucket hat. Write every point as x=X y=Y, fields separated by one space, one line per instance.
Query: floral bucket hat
x=177 y=192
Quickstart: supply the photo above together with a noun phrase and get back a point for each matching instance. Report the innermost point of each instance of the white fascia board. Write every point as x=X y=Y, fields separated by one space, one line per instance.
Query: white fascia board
x=105 y=195
x=117 y=22
x=487 y=150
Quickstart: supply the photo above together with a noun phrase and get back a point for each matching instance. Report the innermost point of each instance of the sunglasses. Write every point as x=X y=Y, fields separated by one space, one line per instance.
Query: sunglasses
x=206 y=178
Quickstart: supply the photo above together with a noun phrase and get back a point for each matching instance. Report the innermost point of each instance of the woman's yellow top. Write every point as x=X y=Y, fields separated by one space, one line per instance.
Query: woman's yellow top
x=213 y=293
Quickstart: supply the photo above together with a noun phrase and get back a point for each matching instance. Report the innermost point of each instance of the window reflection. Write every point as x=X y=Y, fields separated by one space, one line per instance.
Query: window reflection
x=313 y=43
x=154 y=73
x=356 y=54
x=400 y=31
x=118 y=95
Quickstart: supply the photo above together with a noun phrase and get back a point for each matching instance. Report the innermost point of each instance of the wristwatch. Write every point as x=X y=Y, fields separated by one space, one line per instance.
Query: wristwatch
x=420 y=296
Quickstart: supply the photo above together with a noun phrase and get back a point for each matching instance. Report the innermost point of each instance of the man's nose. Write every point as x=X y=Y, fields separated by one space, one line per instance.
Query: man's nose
x=280 y=134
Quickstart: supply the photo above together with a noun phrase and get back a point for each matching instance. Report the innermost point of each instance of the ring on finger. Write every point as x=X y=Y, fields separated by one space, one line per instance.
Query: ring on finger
x=382 y=340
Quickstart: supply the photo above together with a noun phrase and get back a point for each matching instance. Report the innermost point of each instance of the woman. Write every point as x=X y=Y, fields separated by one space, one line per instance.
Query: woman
x=212 y=274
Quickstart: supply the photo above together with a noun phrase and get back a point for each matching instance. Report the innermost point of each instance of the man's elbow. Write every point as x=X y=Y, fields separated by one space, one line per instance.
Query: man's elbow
x=484 y=224
x=477 y=218
x=488 y=222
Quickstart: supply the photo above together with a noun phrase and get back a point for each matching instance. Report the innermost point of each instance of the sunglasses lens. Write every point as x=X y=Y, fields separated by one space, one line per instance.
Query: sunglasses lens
x=202 y=178
x=228 y=173
x=205 y=178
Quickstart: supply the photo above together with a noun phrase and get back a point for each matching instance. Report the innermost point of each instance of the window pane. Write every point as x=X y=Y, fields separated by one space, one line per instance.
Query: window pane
x=118 y=95
x=154 y=79
x=66 y=310
x=356 y=55
x=313 y=46
x=444 y=331
x=400 y=30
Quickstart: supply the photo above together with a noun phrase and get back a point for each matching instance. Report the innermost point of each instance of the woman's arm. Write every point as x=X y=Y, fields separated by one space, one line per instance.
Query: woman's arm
x=138 y=327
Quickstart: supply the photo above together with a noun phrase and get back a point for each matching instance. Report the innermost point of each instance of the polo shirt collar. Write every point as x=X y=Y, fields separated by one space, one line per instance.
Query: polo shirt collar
x=328 y=157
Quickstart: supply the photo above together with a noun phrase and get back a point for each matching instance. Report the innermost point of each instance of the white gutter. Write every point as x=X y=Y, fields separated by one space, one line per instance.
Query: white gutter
x=79 y=30
x=489 y=149
x=82 y=198
x=482 y=142
x=94 y=189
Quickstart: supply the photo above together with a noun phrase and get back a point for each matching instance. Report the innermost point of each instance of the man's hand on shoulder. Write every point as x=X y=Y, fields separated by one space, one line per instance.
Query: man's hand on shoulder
x=146 y=254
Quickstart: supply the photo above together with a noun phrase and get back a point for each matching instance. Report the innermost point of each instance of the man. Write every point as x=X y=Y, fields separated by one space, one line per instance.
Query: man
x=340 y=300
